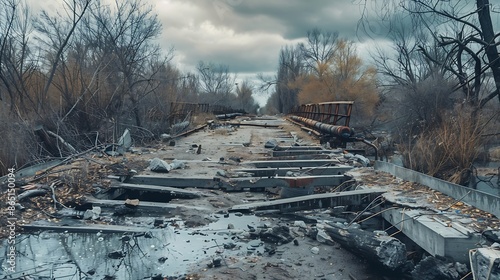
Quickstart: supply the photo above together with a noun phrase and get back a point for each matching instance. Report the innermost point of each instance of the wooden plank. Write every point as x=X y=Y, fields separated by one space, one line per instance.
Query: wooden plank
x=313 y=201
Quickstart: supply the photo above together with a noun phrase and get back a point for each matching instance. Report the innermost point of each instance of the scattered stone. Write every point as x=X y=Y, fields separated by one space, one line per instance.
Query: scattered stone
x=323 y=237
x=132 y=202
x=159 y=165
x=363 y=160
x=277 y=235
x=271 y=144
x=230 y=226
x=300 y=224
x=295 y=242
x=92 y=214
x=315 y=250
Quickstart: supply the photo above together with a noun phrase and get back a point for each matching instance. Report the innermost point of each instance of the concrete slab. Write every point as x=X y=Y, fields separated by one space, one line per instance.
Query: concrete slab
x=143 y=205
x=160 y=189
x=292 y=163
x=267 y=172
x=436 y=237
x=314 y=201
x=481 y=200
x=299 y=152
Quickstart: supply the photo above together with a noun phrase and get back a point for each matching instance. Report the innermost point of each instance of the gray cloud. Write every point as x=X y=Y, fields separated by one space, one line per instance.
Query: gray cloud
x=247 y=35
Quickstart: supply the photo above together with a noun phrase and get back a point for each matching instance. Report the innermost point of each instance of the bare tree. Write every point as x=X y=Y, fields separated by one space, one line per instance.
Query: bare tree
x=128 y=31
x=17 y=64
x=216 y=83
x=56 y=32
x=464 y=30
x=318 y=50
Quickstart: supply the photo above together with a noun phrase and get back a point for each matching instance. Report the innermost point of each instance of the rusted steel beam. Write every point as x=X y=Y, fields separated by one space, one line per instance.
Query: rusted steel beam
x=343 y=132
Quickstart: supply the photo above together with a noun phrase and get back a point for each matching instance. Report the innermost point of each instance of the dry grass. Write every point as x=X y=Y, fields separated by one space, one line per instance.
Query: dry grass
x=18 y=144
x=448 y=150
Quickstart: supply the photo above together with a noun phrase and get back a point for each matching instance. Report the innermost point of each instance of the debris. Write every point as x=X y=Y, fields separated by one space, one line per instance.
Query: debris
x=132 y=202
x=363 y=160
x=125 y=140
x=383 y=250
x=159 y=165
x=300 y=224
x=315 y=250
x=485 y=263
x=277 y=235
x=431 y=268
x=271 y=144
x=31 y=193
x=92 y=214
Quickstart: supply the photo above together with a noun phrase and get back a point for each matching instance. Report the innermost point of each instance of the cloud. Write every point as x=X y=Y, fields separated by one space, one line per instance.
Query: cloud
x=247 y=35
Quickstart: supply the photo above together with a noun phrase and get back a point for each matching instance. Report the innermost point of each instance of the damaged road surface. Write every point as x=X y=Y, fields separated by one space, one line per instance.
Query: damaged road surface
x=250 y=199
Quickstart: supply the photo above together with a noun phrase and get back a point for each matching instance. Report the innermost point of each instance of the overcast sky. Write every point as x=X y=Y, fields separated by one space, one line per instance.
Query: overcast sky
x=247 y=35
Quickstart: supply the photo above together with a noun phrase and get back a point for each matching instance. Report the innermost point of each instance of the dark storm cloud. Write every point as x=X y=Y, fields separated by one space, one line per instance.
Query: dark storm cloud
x=247 y=35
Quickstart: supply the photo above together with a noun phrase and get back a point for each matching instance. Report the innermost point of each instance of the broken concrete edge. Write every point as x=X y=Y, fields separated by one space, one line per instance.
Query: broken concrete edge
x=484 y=263
x=481 y=200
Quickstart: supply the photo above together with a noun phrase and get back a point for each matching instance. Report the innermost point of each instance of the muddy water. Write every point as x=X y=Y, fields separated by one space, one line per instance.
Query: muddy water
x=168 y=251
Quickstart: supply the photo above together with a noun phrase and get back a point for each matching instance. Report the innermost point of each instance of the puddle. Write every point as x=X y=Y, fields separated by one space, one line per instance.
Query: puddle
x=168 y=252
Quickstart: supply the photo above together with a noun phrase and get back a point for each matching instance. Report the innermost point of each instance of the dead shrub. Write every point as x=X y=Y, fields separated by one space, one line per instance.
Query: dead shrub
x=447 y=150
x=18 y=145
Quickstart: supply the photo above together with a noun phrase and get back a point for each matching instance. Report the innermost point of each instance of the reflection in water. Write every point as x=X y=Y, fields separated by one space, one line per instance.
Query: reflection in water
x=167 y=252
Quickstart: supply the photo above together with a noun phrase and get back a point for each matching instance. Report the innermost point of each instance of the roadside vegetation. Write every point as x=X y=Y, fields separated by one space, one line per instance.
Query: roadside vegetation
x=88 y=71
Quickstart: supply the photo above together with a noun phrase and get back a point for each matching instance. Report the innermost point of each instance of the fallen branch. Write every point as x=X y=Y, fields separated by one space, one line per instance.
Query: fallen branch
x=31 y=193
x=66 y=144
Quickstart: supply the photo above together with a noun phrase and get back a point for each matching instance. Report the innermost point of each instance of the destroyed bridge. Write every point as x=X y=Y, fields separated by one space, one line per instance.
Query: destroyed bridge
x=234 y=193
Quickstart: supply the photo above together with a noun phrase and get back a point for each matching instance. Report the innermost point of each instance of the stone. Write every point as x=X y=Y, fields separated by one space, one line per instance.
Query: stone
x=363 y=160
x=271 y=144
x=159 y=165
x=277 y=235
x=230 y=226
x=315 y=250
x=300 y=224
x=323 y=237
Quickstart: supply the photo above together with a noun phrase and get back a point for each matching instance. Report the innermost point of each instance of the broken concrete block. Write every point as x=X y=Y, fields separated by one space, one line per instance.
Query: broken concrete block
x=363 y=160
x=300 y=224
x=485 y=263
x=178 y=164
x=323 y=237
x=431 y=268
x=271 y=144
x=125 y=140
x=159 y=165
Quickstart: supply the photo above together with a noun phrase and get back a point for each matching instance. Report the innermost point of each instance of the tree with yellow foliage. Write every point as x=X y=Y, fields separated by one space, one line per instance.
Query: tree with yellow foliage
x=340 y=76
